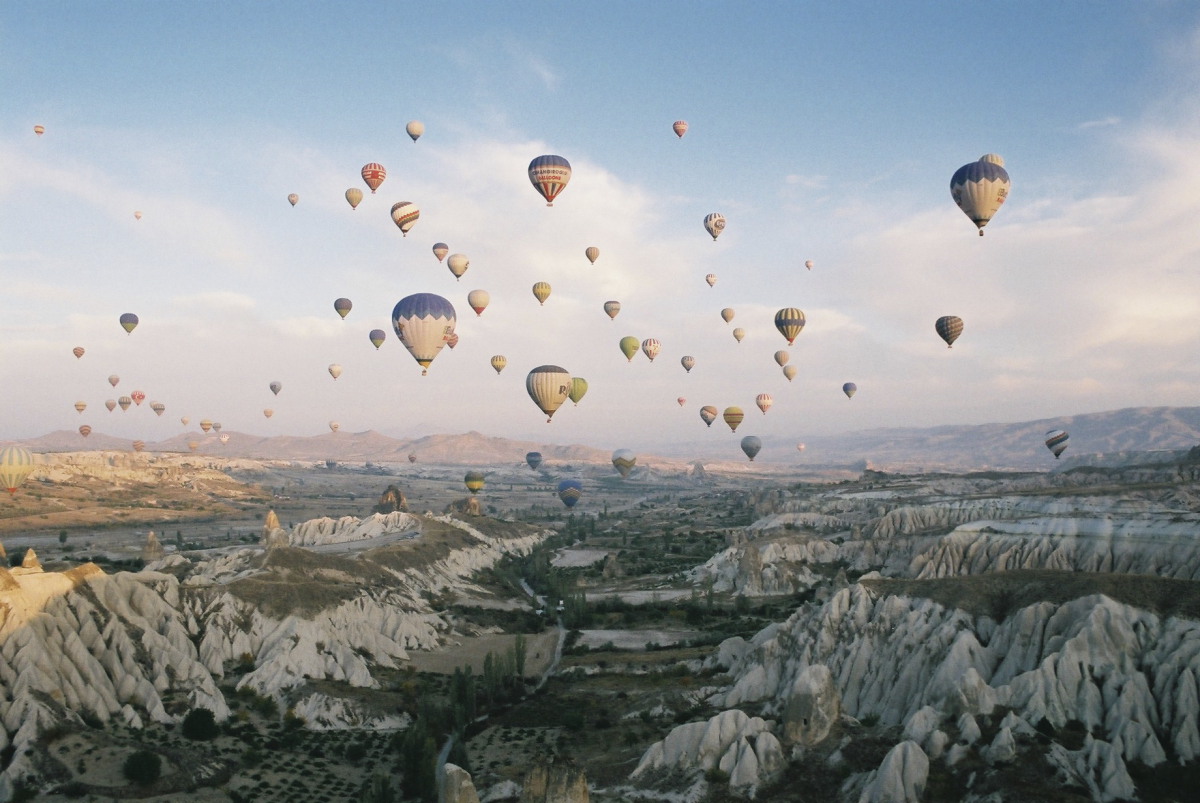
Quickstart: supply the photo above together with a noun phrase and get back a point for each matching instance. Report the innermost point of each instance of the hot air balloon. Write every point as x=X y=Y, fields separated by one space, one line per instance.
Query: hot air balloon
x=137 y=215
x=474 y=480
x=373 y=174
x=751 y=445
x=334 y=426
x=534 y=459
x=138 y=397
x=1056 y=441
x=206 y=425
x=275 y=387
x=129 y=322
x=184 y=420
x=782 y=357
x=623 y=461
x=412 y=457
x=293 y=199
x=800 y=447
x=949 y=327
x=404 y=215
x=733 y=416
x=709 y=414
x=85 y=430
x=377 y=336
x=268 y=412
x=193 y=444
x=849 y=389
x=16 y=463
x=424 y=322
x=790 y=372
x=458 y=264
x=224 y=439
x=651 y=348
x=592 y=253
x=808 y=263
x=789 y=321
x=541 y=291
x=549 y=175
x=629 y=346
x=216 y=426
x=335 y=370
x=682 y=401
x=452 y=340
x=711 y=279
x=548 y=386
x=113 y=379
x=611 y=308
x=498 y=362
x=124 y=403
x=39 y=129
x=980 y=188
x=111 y=404
x=478 y=301
x=77 y=351
x=738 y=334
x=342 y=306
x=578 y=389
x=688 y=362
x=158 y=407
x=354 y=197
x=680 y=128
x=80 y=406
x=415 y=129
x=764 y=402
x=139 y=446
x=569 y=492
x=727 y=314
x=440 y=250
x=714 y=223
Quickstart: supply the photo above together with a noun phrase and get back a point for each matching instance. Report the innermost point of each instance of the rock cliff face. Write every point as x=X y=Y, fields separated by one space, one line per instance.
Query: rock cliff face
x=555 y=782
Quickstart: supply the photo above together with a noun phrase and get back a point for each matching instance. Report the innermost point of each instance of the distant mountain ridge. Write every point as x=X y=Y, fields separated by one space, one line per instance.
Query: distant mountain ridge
x=1014 y=446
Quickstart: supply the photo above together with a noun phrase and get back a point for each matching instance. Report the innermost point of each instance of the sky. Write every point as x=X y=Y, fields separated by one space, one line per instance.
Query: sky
x=821 y=131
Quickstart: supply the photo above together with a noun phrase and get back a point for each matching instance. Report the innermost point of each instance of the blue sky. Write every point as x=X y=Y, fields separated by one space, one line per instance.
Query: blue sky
x=821 y=131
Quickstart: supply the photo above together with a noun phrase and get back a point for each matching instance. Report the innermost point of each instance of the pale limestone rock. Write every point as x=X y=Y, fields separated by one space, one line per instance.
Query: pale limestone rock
x=1003 y=748
x=30 y=562
x=733 y=742
x=153 y=550
x=813 y=707
x=956 y=754
x=557 y=782
x=901 y=776
x=1097 y=766
x=456 y=786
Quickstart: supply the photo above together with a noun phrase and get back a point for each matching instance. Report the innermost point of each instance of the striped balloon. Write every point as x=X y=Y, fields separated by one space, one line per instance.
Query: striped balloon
x=569 y=491
x=949 y=327
x=764 y=402
x=714 y=223
x=541 y=291
x=611 y=308
x=1056 y=441
x=789 y=321
x=498 y=362
x=708 y=414
x=680 y=128
x=623 y=461
x=688 y=362
x=548 y=386
x=733 y=416
x=404 y=215
x=980 y=189
x=549 y=175
x=424 y=323
x=651 y=348
x=373 y=174
x=16 y=463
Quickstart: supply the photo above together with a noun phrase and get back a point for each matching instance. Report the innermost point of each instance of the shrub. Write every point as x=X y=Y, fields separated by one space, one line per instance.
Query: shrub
x=143 y=767
x=200 y=725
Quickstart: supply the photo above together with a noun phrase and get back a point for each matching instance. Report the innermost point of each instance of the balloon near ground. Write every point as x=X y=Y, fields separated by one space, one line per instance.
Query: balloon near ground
x=16 y=464
x=206 y=425
x=980 y=188
x=1056 y=441
x=548 y=386
x=948 y=327
x=549 y=175
x=423 y=323
x=534 y=459
x=474 y=480
x=85 y=430
x=751 y=445
x=623 y=461
x=569 y=491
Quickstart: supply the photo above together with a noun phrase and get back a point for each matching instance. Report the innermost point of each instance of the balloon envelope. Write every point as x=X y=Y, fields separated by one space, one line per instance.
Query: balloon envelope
x=85 y=430
x=629 y=346
x=1056 y=441
x=478 y=301
x=711 y=279
x=293 y=199
x=405 y=215
x=335 y=370
x=849 y=389
x=474 y=480
x=738 y=334
x=39 y=129
x=751 y=445
x=80 y=406
x=980 y=189
x=949 y=327
x=727 y=314
x=440 y=250
x=206 y=425
x=611 y=308
x=548 y=386
x=158 y=407
x=377 y=336
x=129 y=321
x=623 y=461
x=579 y=387
x=334 y=426
x=541 y=291
x=415 y=129
x=709 y=414
x=592 y=253
x=113 y=379
x=688 y=362
x=764 y=402
x=534 y=459
x=651 y=348
x=342 y=306
x=458 y=264
x=111 y=404
x=498 y=362
x=354 y=197
x=275 y=387
x=16 y=463
x=569 y=492
x=790 y=372
x=714 y=223
x=124 y=402
x=549 y=175
x=77 y=351
x=373 y=175
x=680 y=128
x=789 y=321
x=782 y=357
x=423 y=323
x=268 y=412
x=733 y=416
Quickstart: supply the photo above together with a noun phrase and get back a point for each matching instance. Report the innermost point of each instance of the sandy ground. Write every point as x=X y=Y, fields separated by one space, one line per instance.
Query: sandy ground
x=634 y=639
x=473 y=650
x=578 y=558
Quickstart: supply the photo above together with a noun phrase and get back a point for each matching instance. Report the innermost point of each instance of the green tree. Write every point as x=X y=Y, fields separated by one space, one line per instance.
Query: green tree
x=143 y=767
x=200 y=725
x=520 y=650
x=62 y=537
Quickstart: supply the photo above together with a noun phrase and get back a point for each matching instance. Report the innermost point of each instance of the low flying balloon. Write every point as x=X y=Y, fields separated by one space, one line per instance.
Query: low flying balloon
x=129 y=322
x=16 y=464
x=85 y=430
x=377 y=336
x=124 y=403
x=335 y=370
x=782 y=357
x=39 y=129
x=224 y=439
x=293 y=199
x=808 y=263
x=764 y=402
x=478 y=301
x=275 y=387
x=111 y=404
x=216 y=426
x=424 y=323
x=334 y=426
x=342 y=306
x=790 y=372
x=611 y=308
x=1056 y=441
x=789 y=321
x=569 y=492
x=77 y=351
x=158 y=407
x=206 y=425
x=592 y=253
x=980 y=189
x=80 y=406
x=412 y=457
x=113 y=379
x=688 y=362
x=440 y=250
x=534 y=459
x=680 y=128
x=498 y=362
x=452 y=341
x=354 y=197
x=268 y=412
x=751 y=445
x=541 y=291
x=711 y=279
x=458 y=264
x=727 y=314
x=415 y=129
x=651 y=348
x=193 y=444
x=139 y=446
x=548 y=386
x=549 y=175
x=405 y=215
x=738 y=334
x=578 y=389
x=373 y=175
x=682 y=401
x=138 y=397
x=474 y=480
x=849 y=389
x=629 y=346
x=708 y=414
x=949 y=327
x=733 y=416
x=714 y=223
x=623 y=461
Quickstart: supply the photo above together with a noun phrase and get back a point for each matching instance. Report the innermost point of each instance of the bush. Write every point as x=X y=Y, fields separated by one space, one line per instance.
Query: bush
x=143 y=767
x=200 y=725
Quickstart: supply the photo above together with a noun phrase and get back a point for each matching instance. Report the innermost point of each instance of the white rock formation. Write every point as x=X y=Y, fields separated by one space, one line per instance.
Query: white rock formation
x=901 y=777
